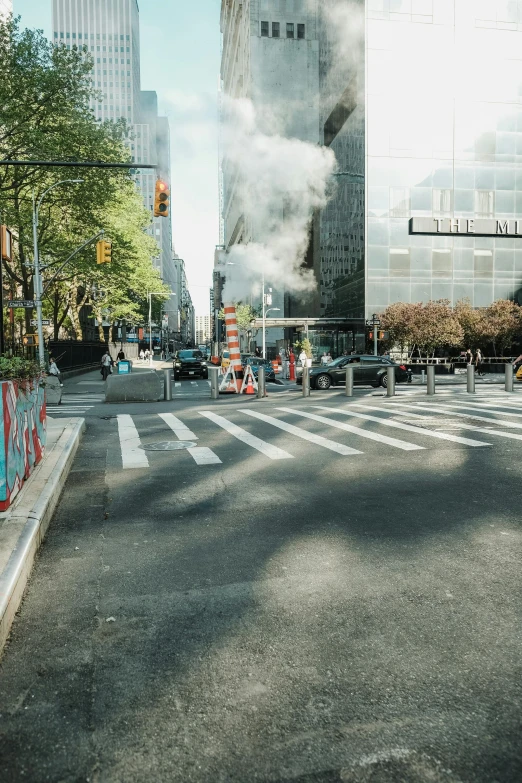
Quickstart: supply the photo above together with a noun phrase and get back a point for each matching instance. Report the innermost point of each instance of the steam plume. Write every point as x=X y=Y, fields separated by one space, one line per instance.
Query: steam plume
x=281 y=182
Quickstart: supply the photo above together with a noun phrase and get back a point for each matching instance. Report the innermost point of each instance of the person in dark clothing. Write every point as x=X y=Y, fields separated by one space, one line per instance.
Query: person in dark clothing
x=121 y=355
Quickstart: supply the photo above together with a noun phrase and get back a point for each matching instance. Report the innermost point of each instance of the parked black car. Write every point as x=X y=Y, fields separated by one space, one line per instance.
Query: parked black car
x=191 y=363
x=368 y=371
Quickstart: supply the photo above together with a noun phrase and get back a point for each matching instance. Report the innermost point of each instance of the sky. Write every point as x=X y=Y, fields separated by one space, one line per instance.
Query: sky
x=180 y=57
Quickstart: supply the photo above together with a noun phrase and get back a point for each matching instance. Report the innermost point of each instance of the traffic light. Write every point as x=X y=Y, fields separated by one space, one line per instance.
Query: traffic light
x=31 y=339
x=380 y=335
x=161 y=199
x=103 y=252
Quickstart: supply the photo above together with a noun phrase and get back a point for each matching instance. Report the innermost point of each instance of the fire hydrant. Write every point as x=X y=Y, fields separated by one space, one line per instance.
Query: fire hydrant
x=291 y=359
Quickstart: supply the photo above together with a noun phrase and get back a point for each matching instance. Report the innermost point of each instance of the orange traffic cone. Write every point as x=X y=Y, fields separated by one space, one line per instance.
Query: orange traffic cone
x=250 y=386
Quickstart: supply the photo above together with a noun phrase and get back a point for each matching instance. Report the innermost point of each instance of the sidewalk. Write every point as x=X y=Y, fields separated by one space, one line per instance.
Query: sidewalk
x=24 y=525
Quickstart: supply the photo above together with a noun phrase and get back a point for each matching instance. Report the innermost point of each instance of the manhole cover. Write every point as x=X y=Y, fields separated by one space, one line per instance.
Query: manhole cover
x=168 y=445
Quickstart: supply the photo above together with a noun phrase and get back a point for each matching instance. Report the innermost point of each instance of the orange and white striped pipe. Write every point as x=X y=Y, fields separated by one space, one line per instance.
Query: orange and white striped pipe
x=232 y=336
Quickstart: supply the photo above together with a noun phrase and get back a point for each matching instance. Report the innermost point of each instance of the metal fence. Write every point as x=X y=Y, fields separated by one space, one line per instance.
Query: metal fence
x=71 y=355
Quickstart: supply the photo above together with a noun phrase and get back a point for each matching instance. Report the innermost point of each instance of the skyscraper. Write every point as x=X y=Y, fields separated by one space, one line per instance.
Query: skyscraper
x=110 y=31
x=6 y=7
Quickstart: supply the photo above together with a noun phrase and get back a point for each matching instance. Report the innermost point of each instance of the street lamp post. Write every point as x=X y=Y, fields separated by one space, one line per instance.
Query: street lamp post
x=150 y=294
x=269 y=310
x=37 y=278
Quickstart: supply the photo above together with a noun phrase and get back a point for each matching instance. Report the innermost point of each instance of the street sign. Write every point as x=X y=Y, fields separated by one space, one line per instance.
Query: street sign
x=373 y=323
x=28 y=303
x=45 y=322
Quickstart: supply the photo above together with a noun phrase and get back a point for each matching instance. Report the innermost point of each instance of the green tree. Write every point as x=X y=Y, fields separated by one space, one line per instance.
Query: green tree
x=45 y=92
x=502 y=324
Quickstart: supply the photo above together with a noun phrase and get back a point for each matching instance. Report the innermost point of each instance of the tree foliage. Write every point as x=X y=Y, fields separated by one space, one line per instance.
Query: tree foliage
x=436 y=324
x=45 y=92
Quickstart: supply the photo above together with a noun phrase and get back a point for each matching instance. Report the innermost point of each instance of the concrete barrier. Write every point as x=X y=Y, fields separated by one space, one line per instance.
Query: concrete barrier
x=53 y=390
x=144 y=386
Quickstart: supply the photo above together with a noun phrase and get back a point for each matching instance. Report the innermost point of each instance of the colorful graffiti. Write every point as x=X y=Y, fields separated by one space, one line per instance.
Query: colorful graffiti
x=22 y=434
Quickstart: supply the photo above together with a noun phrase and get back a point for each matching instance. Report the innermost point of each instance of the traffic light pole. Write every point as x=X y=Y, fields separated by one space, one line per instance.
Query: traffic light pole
x=37 y=287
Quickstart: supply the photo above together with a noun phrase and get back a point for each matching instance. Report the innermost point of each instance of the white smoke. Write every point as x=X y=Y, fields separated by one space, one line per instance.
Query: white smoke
x=280 y=181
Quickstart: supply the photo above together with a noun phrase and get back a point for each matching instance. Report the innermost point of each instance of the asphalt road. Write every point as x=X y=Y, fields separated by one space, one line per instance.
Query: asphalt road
x=270 y=606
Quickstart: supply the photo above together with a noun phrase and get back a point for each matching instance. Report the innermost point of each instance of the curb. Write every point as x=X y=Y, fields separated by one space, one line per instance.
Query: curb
x=36 y=508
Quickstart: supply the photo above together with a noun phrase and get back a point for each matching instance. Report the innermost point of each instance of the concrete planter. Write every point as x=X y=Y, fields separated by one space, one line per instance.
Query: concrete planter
x=22 y=435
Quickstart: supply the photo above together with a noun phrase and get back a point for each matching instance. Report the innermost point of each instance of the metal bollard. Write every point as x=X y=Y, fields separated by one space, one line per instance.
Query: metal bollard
x=423 y=377
x=390 y=387
x=349 y=381
x=431 y=379
x=509 y=378
x=470 y=371
x=167 y=389
x=261 y=382
x=306 y=381
x=214 y=382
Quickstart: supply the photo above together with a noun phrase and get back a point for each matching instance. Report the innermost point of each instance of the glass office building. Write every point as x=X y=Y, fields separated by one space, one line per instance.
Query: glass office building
x=425 y=117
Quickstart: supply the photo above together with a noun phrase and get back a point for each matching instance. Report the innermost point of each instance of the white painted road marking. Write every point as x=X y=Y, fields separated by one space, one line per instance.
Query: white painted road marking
x=176 y=425
x=449 y=409
x=131 y=454
x=487 y=430
x=273 y=452
x=398 y=444
x=339 y=448
x=204 y=456
x=398 y=426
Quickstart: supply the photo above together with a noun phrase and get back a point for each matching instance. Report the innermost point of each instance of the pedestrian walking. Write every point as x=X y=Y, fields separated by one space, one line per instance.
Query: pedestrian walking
x=303 y=357
x=328 y=357
x=478 y=363
x=106 y=365
x=53 y=369
x=469 y=356
x=142 y=355
x=324 y=359
x=147 y=354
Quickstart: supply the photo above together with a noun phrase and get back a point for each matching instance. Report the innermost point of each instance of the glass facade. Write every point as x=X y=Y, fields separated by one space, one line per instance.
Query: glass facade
x=444 y=139
x=425 y=118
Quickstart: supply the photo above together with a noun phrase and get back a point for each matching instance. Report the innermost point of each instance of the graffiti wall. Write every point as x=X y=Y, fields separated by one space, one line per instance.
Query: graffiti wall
x=22 y=436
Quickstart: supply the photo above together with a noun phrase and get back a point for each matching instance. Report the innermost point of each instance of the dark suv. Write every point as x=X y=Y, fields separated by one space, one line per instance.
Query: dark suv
x=191 y=363
x=368 y=371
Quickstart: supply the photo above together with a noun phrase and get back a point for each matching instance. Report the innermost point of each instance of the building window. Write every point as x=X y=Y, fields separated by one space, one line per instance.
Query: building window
x=399 y=262
x=68 y=35
x=56 y=35
x=483 y=264
x=442 y=206
x=399 y=202
x=289 y=30
x=442 y=263
x=61 y=35
x=484 y=203
x=275 y=29
x=300 y=31
x=264 y=29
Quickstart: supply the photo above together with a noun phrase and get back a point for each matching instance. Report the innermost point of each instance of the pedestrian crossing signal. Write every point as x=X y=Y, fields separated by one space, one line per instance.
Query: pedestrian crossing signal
x=161 y=199
x=103 y=252
x=31 y=339
x=380 y=335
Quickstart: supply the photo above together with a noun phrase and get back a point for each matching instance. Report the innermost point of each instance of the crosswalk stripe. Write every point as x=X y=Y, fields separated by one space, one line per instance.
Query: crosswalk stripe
x=490 y=407
x=486 y=430
x=204 y=456
x=449 y=409
x=131 y=454
x=339 y=448
x=270 y=451
x=398 y=444
x=176 y=425
x=406 y=427
x=194 y=383
x=178 y=383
